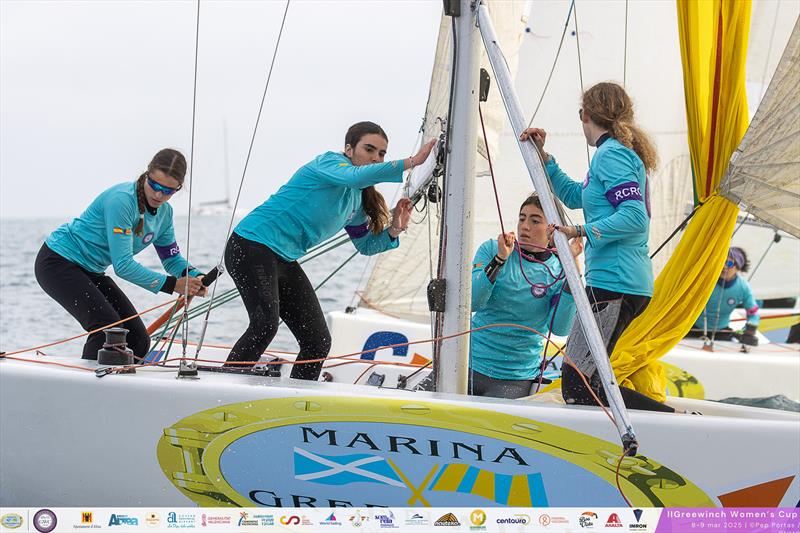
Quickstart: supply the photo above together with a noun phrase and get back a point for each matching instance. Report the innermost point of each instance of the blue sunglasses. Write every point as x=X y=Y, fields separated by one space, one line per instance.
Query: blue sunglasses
x=166 y=191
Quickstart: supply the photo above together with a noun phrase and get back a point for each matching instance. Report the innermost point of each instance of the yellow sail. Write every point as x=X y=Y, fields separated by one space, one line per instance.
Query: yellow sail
x=714 y=36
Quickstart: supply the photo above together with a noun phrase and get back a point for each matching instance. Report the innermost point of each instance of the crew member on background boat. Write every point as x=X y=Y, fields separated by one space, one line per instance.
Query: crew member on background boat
x=121 y=222
x=730 y=292
x=616 y=207
x=335 y=191
x=516 y=283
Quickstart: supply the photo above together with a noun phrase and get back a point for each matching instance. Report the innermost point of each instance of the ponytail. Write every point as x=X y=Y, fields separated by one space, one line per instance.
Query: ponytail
x=610 y=107
x=630 y=135
x=372 y=201
x=141 y=203
x=376 y=209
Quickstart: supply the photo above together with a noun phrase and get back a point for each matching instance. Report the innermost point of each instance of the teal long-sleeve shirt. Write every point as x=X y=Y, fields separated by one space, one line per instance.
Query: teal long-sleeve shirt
x=320 y=199
x=103 y=236
x=727 y=296
x=514 y=353
x=616 y=206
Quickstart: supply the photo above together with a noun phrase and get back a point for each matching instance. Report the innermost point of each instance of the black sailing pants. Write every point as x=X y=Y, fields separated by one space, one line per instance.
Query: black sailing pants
x=274 y=289
x=574 y=389
x=94 y=300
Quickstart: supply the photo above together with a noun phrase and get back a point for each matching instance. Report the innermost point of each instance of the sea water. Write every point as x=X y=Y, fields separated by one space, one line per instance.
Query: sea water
x=29 y=317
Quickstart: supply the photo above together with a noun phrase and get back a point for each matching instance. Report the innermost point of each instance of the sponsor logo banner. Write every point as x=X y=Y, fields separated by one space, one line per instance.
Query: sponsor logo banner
x=489 y=519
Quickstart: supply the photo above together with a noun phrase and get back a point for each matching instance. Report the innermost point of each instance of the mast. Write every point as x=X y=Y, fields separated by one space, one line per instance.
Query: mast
x=541 y=184
x=451 y=358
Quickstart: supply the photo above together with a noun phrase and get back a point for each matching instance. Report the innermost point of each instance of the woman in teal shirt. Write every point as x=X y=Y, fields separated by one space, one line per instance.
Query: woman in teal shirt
x=118 y=224
x=516 y=283
x=615 y=200
x=730 y=292
x=335 y=191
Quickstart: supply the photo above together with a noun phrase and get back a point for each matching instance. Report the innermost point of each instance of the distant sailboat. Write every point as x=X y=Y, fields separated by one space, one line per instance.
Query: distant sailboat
x=223 y=206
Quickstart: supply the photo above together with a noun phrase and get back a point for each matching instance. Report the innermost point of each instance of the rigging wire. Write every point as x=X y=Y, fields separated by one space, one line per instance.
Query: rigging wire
x=555 y=62
x=246 y=163
x=625 y=53
x=769 y=52
x=87 y=333
x=233 y=293
x=580 y=75
x=679 y=228
x=491 y=170
x=775 y=238
x=186 y=299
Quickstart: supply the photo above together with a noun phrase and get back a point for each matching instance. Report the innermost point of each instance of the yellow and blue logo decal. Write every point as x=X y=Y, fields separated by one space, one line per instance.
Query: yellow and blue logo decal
x=11 y=521
x=681 y=383
x=333 y=451
x=122 y=231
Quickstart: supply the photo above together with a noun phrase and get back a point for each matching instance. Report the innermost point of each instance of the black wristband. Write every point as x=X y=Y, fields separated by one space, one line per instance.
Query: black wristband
x=169 y=285
x=493 y=268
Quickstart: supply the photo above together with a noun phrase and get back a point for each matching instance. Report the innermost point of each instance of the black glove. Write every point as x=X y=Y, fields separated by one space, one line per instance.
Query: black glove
x=748 y=336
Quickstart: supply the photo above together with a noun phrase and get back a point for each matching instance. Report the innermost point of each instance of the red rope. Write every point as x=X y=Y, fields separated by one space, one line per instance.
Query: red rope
x=491 y=170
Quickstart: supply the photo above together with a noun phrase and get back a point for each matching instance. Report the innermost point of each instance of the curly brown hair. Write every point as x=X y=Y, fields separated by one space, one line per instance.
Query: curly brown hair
x=610 y=107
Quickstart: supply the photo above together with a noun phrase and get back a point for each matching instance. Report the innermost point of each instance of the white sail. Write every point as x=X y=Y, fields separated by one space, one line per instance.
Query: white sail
x=649 y=66
x=399 y=279
x=771 y=23
x=764 y=173
x=397 y=286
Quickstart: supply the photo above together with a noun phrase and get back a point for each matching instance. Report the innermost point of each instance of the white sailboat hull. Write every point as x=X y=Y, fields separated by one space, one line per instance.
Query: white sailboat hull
x=69 y=438
x=766 y=370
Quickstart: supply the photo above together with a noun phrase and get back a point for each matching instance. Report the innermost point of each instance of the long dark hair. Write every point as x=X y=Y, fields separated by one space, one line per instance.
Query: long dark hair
x=173 y=164
x=373 y=202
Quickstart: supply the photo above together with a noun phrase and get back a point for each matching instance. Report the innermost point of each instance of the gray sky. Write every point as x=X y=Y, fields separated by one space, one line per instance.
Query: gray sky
x=89 y=91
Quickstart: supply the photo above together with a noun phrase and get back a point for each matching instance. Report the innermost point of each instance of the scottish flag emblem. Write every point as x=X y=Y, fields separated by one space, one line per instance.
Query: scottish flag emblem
x=343 y=469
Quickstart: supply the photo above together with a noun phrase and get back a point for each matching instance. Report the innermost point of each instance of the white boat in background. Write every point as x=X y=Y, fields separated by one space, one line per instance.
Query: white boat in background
x=222 y=439
x=222 y=206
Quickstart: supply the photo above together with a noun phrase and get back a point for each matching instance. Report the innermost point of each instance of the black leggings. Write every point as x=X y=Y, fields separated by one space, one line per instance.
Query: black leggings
x=573 y=388
x=274 y=289
x=94 y=300
x=483 y=385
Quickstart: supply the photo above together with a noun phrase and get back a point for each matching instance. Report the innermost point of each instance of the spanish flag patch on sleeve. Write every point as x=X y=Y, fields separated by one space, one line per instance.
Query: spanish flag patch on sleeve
x=121 y=231
x=344 y=164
